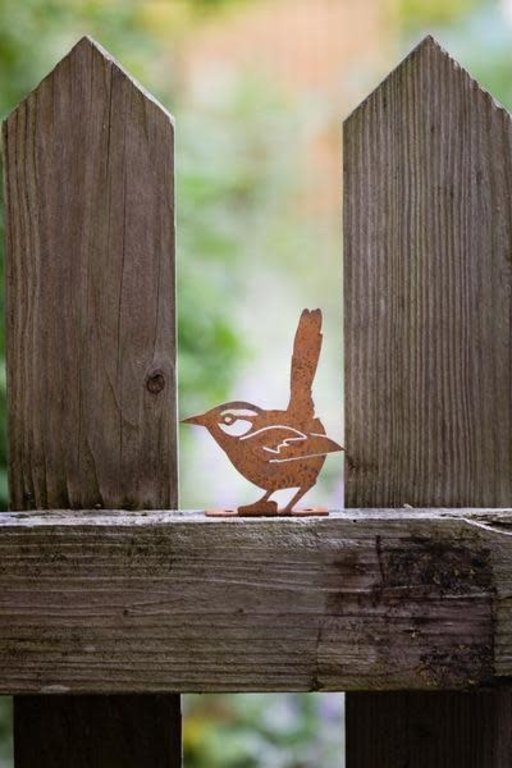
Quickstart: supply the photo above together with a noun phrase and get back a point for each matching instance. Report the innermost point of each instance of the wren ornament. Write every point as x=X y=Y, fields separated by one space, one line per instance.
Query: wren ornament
x=277 y=449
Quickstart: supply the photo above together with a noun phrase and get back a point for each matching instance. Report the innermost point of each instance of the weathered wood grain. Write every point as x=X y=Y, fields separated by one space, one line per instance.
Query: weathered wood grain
x=91 y=350
x=428 y=338
x=159 y=601
x=428 y=290
x=90 y=291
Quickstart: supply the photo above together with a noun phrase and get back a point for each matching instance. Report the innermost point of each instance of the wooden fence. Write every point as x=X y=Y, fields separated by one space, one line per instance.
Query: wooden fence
x=111 y=605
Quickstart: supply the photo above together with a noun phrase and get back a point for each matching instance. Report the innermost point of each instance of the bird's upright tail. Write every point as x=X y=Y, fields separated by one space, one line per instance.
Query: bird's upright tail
x=306 y=351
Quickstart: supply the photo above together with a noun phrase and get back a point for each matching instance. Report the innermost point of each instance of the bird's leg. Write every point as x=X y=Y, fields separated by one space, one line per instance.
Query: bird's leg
x=262 y=507
x=300 y=493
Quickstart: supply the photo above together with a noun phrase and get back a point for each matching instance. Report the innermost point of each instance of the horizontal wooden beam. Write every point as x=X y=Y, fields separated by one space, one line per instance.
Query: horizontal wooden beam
x=110 y=602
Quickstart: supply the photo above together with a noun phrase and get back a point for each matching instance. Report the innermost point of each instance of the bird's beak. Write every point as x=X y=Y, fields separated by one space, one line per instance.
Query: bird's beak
x=198 y=420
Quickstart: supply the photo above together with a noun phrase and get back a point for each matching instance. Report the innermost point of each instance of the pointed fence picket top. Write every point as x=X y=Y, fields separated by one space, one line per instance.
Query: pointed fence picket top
x=428 y=367
x=428 y=244
x=89 y=174
x=90 y=291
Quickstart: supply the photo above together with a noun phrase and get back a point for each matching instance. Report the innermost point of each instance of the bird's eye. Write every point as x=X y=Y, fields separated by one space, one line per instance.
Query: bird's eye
x=235 y=427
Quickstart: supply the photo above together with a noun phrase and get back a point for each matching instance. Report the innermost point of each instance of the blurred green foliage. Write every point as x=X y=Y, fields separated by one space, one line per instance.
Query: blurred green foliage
x=294 y=731
x=227 y=187
x=416 y=14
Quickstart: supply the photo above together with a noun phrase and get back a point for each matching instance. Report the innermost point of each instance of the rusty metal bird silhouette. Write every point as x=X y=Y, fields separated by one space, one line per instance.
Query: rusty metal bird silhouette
x=277 y=449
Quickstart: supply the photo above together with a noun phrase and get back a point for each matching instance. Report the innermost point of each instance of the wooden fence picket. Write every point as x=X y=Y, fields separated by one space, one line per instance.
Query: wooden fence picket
x=91 y=357
x=428 y=367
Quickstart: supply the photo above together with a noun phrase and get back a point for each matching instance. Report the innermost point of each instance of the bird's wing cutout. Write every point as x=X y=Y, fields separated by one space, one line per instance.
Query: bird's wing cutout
x=274 y=439
x=314 y=445
x=279 y=443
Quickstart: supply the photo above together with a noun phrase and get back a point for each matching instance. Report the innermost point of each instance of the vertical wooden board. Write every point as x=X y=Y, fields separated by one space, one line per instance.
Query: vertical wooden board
x=90 y=291
x=430 y=730
x=428 y=290
x=89 y=180
x=112 y=731
x=428 y=365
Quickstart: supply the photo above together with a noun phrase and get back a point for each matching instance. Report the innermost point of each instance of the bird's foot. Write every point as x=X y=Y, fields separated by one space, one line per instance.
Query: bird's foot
x=258 y=509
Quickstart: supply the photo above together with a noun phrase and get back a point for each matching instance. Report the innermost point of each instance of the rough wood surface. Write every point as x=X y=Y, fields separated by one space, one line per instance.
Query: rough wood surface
x=428 y=291
x=160 y=601
x=90 y=291
x=428 y=335
x=90 y=351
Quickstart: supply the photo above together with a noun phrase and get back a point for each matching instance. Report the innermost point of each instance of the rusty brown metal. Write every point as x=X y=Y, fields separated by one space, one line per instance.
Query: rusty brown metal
x=306 y=512
x=277 y=449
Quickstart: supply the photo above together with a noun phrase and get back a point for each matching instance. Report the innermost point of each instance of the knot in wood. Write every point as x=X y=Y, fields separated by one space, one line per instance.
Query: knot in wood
x=155 y=382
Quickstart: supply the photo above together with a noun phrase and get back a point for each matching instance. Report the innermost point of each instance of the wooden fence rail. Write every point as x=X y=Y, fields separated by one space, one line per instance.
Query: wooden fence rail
x=105 y=594
x=117 y=602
